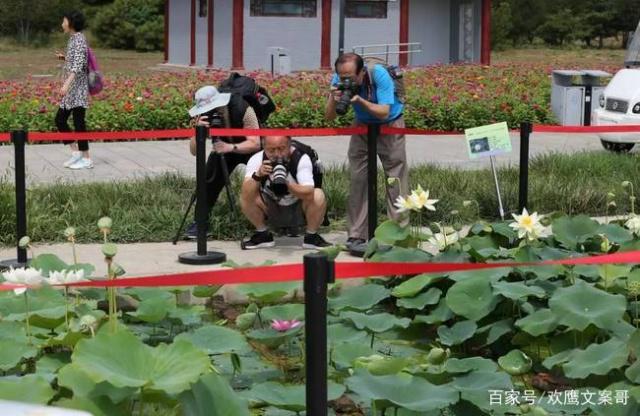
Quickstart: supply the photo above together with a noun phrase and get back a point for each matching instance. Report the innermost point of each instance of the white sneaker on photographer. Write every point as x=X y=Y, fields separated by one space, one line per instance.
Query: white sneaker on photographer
x=75 y=156
x=83 y=163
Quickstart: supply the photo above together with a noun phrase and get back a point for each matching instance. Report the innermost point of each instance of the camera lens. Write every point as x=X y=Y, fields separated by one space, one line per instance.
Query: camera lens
x=279 y=179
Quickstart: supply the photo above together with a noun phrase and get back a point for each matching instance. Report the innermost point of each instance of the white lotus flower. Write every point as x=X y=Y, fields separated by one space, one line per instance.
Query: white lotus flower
x=22 y=276
x=528 y=225
x=441 y=241
x=66 y=277
x=633 y=224
x=420 y=199
x=404 y=204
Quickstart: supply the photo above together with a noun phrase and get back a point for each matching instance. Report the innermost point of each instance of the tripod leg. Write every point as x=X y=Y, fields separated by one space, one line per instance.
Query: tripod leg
x=184 y=219
x=227 y=185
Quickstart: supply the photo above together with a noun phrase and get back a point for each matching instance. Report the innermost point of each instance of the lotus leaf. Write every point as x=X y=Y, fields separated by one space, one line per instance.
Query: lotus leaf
x=538 y=323
x=414 y=285
x=267 y=292
x=403 y=390
x=458 y=333
x=517 y=290
x=472 y=298
x=580 y=305
x=379 y=322
x=212 y=396
x=30 y=388
x=596 y=359
x=124 y=361
x=574 y=231
x=214 y=339
x=359 y=297
x=287 y=311
x=289 y=397
x=430 y=297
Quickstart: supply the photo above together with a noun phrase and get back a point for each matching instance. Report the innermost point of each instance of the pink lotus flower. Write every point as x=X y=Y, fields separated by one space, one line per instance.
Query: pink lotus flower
x=284 y=325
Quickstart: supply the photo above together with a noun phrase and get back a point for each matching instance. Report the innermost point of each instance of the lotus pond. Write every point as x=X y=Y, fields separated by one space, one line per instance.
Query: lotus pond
x=545 y=340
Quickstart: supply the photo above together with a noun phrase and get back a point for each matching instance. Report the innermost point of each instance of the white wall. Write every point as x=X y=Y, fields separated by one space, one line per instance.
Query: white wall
x=429 y=24
x=300 y=35
x=359 y=32
x=179 y=31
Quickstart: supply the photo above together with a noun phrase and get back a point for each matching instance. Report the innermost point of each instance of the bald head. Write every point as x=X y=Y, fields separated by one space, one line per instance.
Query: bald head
x=276 y=146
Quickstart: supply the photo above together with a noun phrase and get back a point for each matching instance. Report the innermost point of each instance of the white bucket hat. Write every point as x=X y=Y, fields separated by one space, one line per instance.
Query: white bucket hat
x=207 y=98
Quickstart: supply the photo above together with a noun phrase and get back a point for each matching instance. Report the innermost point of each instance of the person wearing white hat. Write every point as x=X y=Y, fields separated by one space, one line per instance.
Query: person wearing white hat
x=233 y=112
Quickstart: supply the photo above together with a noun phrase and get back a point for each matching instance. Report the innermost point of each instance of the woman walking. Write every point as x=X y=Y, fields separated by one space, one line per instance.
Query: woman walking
x=75 y=90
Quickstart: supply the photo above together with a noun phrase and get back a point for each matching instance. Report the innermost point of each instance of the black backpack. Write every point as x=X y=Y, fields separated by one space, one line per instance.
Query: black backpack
x=301 y=150
x=255 y=95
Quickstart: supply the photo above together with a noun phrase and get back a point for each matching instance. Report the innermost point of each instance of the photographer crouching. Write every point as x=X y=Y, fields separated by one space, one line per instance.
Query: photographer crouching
x=279 y=191
x=222 y=110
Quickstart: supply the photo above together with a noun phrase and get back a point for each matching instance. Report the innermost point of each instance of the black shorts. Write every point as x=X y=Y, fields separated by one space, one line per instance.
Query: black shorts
x=283 y=216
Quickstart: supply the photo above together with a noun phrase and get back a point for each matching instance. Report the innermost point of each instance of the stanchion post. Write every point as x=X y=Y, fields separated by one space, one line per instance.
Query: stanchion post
x=373 y=133
x=523 y=194
x=318 y=272
x=19 y=139
x=201 y=256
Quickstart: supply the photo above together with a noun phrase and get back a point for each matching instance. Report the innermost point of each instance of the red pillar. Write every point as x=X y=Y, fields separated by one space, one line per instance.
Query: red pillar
x=192 y=60
x=210 y=33
x=403 y=59
x=325 y=42
x=485 y=54
x=166 y=31
x=238 y=35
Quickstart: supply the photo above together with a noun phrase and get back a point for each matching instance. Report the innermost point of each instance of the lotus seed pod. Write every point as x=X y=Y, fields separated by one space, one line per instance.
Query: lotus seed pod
x=109 y=250
x=24 y=242
x=105 y=223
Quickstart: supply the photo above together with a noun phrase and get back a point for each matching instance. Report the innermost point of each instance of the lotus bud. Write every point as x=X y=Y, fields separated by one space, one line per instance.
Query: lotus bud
x=109 y=250
x=436 y=356
x=626 y=184
x=24 y=242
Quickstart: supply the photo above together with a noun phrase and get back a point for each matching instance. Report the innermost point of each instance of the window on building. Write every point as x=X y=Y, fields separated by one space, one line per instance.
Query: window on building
x=290 y=8
x=376 y=9
x=202 y=8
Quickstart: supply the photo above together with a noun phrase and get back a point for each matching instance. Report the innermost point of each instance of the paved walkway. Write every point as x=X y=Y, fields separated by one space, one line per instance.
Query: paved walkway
x=130 y=160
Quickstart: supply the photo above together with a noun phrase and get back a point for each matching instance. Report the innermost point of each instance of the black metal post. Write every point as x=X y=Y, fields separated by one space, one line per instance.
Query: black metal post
x=318 y=272
x=201 y=256
x=19 y=139
x=588 y=100
x=341 y=17
x=523 y=195
x=373 y=132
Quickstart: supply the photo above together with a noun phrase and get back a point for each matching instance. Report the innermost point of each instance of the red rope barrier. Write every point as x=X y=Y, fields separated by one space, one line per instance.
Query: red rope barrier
x=321 y=132
x=586 y=129
x=186 y=133
x=346 y=270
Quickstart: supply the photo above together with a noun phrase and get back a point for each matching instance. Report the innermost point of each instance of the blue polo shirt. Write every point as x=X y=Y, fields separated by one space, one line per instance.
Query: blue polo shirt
x=383 y=92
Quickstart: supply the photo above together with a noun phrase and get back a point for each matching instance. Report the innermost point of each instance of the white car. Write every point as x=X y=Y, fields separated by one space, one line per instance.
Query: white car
x=620 y=104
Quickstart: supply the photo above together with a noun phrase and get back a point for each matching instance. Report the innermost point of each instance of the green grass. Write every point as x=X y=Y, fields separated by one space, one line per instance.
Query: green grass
x=151 y=209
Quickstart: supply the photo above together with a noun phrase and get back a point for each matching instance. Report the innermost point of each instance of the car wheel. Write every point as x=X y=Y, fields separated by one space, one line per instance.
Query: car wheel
x=617 y=147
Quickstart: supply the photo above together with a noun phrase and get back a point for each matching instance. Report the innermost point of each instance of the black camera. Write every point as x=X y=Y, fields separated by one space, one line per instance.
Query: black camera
x=278 y=177
x=349 y=89
x=214 y=118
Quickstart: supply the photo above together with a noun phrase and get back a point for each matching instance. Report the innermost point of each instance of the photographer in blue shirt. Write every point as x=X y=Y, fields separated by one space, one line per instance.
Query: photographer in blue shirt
x=371 y=92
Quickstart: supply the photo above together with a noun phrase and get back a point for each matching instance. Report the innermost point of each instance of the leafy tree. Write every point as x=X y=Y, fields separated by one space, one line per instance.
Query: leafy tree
x=501 y=25
x=26 y=20
x=131 y=24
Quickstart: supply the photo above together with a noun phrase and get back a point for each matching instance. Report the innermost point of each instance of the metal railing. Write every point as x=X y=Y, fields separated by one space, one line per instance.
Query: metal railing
x=387 y=49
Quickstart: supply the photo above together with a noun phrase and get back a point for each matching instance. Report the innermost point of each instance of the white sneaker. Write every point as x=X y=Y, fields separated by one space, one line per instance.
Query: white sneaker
x=83 y=163
x=75 y=156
